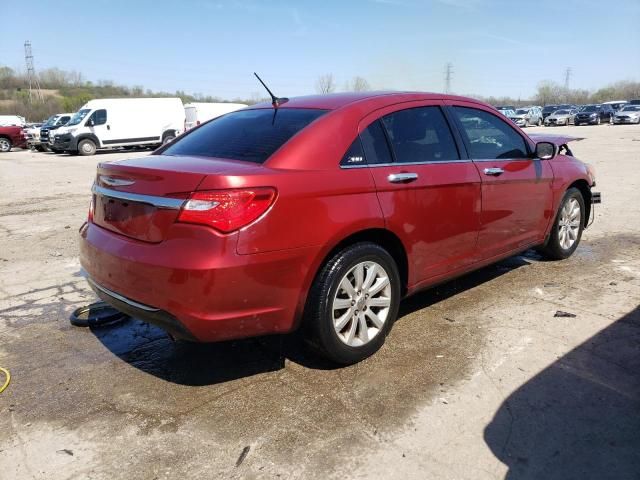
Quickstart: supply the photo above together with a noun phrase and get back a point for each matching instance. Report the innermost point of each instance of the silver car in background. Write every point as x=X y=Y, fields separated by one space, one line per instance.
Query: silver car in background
x=527 y=116
x=560 y=117
x=627 y=114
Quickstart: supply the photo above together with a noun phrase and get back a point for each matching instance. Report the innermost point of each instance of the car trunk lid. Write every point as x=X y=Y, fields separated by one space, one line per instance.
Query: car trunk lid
x=141 y=198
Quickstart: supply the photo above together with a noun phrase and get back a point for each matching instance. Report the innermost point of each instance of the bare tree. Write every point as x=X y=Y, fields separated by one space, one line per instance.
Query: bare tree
x=325 y=84
x=359 y=84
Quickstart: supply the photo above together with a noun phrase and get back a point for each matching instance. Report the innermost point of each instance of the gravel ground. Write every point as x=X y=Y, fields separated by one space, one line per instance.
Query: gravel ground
x=478 y=379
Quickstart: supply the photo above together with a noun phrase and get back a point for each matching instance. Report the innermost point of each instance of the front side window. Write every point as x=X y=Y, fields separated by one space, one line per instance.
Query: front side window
x=420 y=134
x=488 y=137
x=248 y=135
x=99 y=117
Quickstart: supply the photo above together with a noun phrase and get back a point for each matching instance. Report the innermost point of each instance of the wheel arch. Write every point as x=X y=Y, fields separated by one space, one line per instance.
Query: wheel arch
x=585 y=190
x=380 y=236
x=85 y=136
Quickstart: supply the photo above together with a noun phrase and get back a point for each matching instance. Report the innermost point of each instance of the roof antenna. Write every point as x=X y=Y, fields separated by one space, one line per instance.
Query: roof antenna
x=275 y=101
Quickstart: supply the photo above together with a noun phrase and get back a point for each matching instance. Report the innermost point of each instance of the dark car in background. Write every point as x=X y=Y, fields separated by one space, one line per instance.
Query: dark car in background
x=548 y=110
x=594 y=115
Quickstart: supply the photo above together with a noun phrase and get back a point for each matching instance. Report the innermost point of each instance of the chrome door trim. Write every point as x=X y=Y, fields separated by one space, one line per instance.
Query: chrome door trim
x=159 y=202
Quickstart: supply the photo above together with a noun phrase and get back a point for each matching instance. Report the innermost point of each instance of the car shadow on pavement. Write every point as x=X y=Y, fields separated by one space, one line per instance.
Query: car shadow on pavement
x=149 y=349
x=580 y=417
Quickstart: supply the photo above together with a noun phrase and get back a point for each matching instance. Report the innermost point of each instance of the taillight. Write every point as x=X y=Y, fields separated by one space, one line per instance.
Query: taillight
x=92 y=207
x=227 y=210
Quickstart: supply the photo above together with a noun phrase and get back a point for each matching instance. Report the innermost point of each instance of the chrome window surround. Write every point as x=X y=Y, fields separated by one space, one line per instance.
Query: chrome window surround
x=400 y=164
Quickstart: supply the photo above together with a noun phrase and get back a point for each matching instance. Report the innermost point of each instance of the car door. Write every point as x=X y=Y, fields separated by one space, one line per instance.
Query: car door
x=516 y=188
x=429 y=193
x=99 y=126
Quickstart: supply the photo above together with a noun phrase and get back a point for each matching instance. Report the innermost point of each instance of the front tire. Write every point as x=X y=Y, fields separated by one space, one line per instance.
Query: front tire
x=567 y=228
x=86 y=147
x=353 y=303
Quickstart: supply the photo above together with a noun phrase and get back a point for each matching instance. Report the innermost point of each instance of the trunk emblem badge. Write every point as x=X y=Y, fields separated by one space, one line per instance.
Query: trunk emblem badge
x=116 y=182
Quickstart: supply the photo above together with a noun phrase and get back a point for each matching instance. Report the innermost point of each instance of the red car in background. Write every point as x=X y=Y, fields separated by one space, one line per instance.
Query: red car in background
x=12 y=137
x=325 y=212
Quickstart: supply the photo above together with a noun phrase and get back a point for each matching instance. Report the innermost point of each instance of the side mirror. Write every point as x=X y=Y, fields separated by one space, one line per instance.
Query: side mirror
x=90 y=123
x=545 y=150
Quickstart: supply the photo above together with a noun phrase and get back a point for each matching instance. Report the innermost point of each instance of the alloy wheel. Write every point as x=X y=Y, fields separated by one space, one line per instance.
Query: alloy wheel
x=5 y=145
x=569 y=224
x=361 y=304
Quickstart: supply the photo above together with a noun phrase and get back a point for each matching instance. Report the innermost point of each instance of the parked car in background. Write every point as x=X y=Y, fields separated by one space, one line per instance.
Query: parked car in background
x=634 y=102
x=560 y=117
x=616 y=104
x=627 y=114
x=121 y=122
x=32 y=131
x=53 y=123
x=506 y=107
x=594 y=115
x=527 y=116
x=12 y=136
x=548 y=110
x=12 y=120
x=197 y=113
x=507 y=112
x=324 y=214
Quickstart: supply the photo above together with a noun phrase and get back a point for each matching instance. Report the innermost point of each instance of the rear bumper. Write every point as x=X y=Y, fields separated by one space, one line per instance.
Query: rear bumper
x=195 y=285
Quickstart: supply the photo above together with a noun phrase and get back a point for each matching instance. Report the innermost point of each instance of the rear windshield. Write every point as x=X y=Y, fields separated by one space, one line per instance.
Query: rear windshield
x=249 y=135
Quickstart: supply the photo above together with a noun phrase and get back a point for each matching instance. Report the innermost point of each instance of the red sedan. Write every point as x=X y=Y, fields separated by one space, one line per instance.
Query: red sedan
x=325 y=212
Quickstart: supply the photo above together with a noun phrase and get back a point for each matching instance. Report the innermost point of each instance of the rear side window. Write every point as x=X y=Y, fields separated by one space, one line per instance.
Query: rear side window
x=420 y=135
x=489 y=137
x=375 y=145
x=249 y=135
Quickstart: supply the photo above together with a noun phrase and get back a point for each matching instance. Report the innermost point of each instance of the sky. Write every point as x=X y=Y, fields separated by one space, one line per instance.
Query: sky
x=211 y=47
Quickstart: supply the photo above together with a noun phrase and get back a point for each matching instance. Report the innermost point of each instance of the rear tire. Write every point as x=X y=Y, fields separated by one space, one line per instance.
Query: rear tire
x=539 y=122
x=353 y=303
x=5 y=145
x=567 y=228
x=86 y=147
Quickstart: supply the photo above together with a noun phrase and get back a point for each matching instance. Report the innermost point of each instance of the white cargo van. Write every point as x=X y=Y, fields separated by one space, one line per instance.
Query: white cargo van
x=121 y=122
x=197 y=113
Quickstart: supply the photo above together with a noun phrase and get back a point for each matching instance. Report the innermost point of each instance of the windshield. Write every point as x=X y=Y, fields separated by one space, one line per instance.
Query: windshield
x=562 y=112
x=50 y=121
x=631 y=108
x=78 y=116
x=590 y=108
x=549 y=108
x=522 y=111
x=249 y=135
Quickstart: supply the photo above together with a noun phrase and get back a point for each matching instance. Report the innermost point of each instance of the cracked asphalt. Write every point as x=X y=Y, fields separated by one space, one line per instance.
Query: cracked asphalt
x=478 y=379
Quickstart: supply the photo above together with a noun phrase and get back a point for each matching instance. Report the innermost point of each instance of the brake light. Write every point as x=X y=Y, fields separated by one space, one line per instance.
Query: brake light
x=227 y=210
x=92 y=207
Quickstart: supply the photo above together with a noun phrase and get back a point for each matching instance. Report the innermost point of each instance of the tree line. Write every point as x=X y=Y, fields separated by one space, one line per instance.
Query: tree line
x=67 y=91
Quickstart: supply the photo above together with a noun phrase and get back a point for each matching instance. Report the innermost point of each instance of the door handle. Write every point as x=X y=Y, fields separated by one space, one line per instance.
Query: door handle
x=402 y=177
x=494 y=172
x=108 y=127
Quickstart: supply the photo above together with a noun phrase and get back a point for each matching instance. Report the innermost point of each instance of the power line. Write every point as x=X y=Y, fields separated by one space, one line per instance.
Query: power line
x=34 y=83
x=448 y=74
